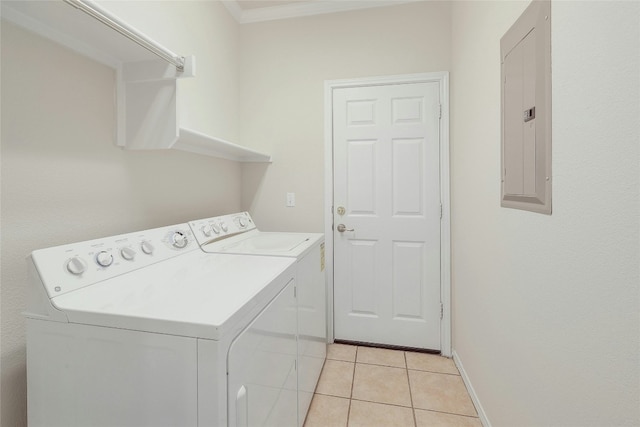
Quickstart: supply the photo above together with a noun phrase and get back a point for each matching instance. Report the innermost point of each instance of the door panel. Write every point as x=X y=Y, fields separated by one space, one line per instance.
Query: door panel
x=407 y=177
x=361 y=179
x=363 y=271
x=387 y=178
x=261 y=366
x=407 y=280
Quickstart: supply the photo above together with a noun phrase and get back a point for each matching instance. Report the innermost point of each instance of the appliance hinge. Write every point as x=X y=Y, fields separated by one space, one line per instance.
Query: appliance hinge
x=440 y=210
x=439 y=111
x=441 y=311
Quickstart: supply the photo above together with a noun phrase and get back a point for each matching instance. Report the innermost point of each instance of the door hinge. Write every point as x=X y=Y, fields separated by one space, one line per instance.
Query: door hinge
x=439 y=111
x=441 y=311
x=440 y=210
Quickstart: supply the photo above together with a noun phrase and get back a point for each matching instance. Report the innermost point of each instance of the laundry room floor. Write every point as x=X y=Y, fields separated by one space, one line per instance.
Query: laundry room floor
x=364 y=386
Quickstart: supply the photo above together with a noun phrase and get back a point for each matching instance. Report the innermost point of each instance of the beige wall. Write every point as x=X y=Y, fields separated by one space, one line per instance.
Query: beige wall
x=545 y=310
x=283 y=68
x=63 y=179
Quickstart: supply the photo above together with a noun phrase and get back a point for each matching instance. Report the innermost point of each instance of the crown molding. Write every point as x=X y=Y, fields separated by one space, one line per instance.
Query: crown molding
x=299 y=9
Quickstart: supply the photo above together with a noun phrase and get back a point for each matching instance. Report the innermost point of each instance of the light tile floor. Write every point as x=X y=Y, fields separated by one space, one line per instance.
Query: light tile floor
x=363 y=386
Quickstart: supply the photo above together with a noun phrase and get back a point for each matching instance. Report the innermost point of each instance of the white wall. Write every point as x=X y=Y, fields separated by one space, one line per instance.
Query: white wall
x=63 y=179
x=545 y=312
x=283 y=68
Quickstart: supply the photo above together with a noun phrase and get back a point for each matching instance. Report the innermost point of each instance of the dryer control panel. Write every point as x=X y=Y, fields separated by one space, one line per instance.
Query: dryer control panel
x=219 y=227
x=70 y=267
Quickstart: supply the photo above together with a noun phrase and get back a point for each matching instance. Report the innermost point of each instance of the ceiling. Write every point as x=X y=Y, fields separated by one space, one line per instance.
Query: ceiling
x=248 y=11
x=255 y=4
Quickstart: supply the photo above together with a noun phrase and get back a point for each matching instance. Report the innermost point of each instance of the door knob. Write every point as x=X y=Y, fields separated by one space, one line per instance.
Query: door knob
x=342 y=228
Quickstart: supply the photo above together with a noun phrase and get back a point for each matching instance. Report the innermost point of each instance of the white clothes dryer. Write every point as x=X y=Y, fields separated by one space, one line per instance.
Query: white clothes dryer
x=237 y=234
x=143 y=330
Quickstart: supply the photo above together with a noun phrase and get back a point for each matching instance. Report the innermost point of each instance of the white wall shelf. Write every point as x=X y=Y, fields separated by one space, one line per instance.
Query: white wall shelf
x=196 y=142
x=76 y=30
x=147 y=113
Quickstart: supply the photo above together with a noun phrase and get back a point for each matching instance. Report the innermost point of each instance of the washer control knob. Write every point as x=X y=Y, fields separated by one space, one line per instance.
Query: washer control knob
x=242 y=222
x=215 y=228
x=224 y=226
x=76 y=266
x=179 y=240
x=206 y=230
x=128 y=253
x=104 y=259
x=147 y=247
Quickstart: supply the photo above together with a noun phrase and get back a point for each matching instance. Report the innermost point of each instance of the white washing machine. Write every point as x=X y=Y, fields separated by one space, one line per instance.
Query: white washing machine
x=237 y=234
x=145 y=329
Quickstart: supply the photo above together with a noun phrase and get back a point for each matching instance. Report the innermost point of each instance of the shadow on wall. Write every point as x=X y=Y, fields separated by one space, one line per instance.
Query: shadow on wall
x=14 y=386
x=252 y=179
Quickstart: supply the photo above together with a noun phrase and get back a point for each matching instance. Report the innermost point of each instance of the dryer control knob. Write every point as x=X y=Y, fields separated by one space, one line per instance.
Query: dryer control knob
x=104 y=259
x=128 y=253
x=242 y=222
x=179 y=240
x=224 y=226
x=147 y=247
x=206 y=230
x=215 y=228
x=76 y=266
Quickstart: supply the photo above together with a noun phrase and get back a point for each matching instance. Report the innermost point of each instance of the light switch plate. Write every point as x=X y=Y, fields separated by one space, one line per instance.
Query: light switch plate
x=291 y=200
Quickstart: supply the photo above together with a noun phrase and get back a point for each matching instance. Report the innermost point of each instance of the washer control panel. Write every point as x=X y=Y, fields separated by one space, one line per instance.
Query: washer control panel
x=70 y=267
x=218 y=227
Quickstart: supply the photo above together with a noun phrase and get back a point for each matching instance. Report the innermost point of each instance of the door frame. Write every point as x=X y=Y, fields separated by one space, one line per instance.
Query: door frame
x=442 y=77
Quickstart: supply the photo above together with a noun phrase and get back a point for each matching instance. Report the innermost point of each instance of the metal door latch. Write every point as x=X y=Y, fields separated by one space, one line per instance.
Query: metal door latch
x=529 y=114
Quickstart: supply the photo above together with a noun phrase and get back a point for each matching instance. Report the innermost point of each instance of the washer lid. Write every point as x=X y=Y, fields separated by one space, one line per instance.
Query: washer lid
x=197 y=294
x=267 y=243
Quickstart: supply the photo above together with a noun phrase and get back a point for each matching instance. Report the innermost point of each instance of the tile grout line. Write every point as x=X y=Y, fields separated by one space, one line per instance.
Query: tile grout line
x=413 y=410
x=448 y=413
x=353 y=379
x=434 y=372
x=399 y=367
x=395 y=405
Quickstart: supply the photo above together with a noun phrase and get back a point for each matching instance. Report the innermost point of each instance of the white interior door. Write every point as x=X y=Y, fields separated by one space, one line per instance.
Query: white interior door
x=386 y=143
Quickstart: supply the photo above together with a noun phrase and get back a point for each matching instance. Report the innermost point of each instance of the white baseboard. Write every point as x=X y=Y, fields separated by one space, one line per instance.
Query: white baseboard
x=474 y=397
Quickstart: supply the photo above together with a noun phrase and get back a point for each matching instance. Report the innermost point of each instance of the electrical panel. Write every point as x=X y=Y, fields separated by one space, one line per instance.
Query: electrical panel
x=525 y=52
